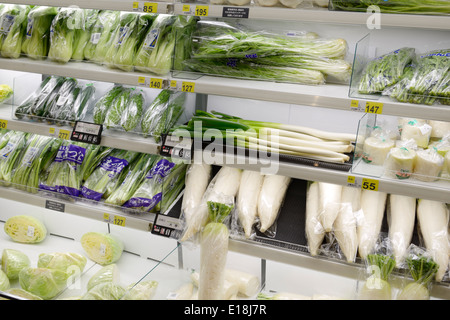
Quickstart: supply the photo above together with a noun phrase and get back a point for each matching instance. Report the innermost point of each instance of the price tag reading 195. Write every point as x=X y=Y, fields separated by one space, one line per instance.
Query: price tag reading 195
x=201 y=11
x=188 y=86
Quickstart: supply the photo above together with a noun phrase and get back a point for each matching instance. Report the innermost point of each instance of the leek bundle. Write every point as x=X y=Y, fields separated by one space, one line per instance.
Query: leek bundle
x=37 y=42
x=162 y=180
x=13 y=24
x=63 y=31
x=110 y=167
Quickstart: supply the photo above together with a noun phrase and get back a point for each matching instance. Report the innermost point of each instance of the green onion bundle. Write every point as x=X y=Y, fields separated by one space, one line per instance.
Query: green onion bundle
x=395 y=6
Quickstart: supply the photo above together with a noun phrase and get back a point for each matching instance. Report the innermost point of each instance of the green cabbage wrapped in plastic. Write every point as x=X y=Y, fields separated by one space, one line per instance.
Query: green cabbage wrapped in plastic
x=6 y=92
x=25 y=229
x=43 y=282
x=107 y=274
x=103 y=248
x=105 y=291
x=62 y=261
x=4 y=281
x=144 y=290
x=12 y=30
x=13 y=261
x=23 y=294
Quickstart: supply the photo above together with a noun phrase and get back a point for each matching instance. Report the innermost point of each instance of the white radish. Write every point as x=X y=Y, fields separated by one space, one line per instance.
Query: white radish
x=401 y=219
x=314 y=230
x=270 y=199
x=373 y=205
x=345 y=226
x=230 y=288
x=433 y=222
x=247 y=284
x=197 y=180
x=225 y=183
x=247 y=199
x=185 y=292
x=283 y=296
x=329 y=203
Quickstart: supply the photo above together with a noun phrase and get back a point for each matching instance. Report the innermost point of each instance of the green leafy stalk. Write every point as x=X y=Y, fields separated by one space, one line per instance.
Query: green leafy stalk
x=83 y=35
x=101 y=35
x=218 y=211
x=102 y=106
x=115 y=113
x=133 y=112
x=395 y=6
x=12 y=39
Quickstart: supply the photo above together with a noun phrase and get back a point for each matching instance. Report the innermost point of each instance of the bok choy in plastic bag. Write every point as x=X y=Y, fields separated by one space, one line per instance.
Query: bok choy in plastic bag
x=13 y=24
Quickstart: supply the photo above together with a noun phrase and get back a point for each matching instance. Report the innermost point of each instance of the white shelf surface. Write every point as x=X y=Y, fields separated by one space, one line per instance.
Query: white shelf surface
x=332 y=96
x=438 y=191
x=81 y=207
x=117 y=5
x=110 y=138
x=327 y=16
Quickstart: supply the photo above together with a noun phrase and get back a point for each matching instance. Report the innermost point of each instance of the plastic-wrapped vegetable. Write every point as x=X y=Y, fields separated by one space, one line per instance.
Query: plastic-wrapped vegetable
x=428 y=165
x=109 y=273
x=37 y=42
x=155 y=52
x=103 y=104
x=62 y=33
x=13 y=261
x=163 y=113
x=377 y=286
x=110 y=167
x=184 y=26
x=10 y=155
x=102 y=248
x=117 y=109
x=24 y=108
x=38 y=106
x=13 y=24
x=83 y=35
x=101 y=34
x=4 y=281
x=23 y=294
x=52 y=109
x=76 y=109
x=105 y=291
x=65 y=112
x=385 y=71
x=133 y=180
x=62 y=261
x=133 y=112
x=6 y=92
x=159 y=182
x=144 y=290
x=93 y=158
x=25 y=229
x=43 y=282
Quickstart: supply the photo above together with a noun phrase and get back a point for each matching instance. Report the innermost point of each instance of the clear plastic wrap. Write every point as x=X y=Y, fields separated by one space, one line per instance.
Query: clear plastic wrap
x=63 y=33
x=270 y=200
x=13 y=24
x=315 y=233
x=25 y=229
x=43 y=282
x=419 y=131
x=156 y=51
x=428 y=165
x=400 y=160
x=385 y=71
x=10 y=155
x=102 y=248
x=133 y=112
x=437 y=7
x=330 y=196
x=102 y=106
x=377 y=146
x=13 y=261
x=115 y=112
x=84 y=34
x=107 y=274
x=109 y=168
x=70 y=262
x=36 y=44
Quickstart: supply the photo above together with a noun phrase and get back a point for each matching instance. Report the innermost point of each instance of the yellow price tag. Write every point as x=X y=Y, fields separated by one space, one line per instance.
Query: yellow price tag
x=186 y=8
x=351 y=179
x=201 y=11
x=173 y=84
x=188 y=86
x=156 y=83
x=3 y=124
x=135 y=5
x=141 y=80
x=370 y=184
x=354 y=104
x=374 y=107
x=64 y=134
x=150 y=7
x=51 y=131
x=116 y=220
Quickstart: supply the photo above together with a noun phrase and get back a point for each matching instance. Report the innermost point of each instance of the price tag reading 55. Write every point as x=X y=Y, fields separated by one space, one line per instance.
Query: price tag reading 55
x=370 y=184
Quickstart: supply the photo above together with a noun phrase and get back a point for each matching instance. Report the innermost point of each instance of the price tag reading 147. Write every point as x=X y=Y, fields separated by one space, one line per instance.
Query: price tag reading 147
x=374 y=107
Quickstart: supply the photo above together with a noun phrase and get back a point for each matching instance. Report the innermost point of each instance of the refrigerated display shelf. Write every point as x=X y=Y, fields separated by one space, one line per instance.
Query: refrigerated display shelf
x=333 y=96
x=110 y=138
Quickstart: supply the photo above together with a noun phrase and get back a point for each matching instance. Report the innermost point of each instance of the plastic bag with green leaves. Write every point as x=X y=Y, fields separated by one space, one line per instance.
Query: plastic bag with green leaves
x=117 y=109
x=6 y=92
x=83 y=35
x=13 y=24
x=102 y=106
x=133 y=112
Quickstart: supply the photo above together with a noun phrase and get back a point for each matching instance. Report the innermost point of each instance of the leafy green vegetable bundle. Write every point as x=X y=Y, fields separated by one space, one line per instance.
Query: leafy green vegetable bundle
x=13 y=143
x=220 y=48
x=164 y=180
x=394 y=6
x=37 y=41
x=13 y=24
x=83 y=35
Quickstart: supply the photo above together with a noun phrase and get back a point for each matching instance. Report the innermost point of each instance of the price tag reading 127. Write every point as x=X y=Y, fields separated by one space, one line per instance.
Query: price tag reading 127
x=188 y=86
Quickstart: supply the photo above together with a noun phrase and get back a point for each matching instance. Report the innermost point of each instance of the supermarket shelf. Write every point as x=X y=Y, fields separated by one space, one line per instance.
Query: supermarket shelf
x=433 y=191
x=87 y=209
x=79 y=70
x=126 y=141
x=332 y=96
x=118 y=5
x=324 y=15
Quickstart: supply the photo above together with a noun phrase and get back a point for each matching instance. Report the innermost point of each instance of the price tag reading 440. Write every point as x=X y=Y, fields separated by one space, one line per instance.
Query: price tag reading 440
x=370 y=184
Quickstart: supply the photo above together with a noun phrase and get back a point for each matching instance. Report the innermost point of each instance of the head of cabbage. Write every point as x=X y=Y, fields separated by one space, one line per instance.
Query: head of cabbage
x=25 y=229
x=67 y=262
x=102 y=248
x=43 y=282
x=13 y=261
